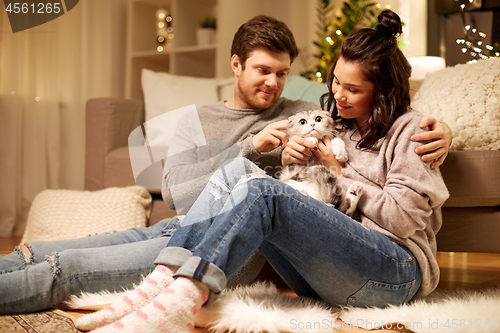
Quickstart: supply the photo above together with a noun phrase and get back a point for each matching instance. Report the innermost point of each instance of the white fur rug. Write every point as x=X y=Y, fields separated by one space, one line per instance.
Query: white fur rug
x=261 y=307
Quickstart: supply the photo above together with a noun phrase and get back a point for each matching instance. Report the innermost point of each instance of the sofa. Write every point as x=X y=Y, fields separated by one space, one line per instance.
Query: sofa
x=471 y=216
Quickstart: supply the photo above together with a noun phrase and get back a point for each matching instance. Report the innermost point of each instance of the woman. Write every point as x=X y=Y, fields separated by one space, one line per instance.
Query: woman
x=388 y=258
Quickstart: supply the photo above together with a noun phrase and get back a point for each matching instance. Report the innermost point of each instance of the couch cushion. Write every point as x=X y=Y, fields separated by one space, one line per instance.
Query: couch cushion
x=472 y=178
x=298 y=87
x=109 y=122
x=118 y=169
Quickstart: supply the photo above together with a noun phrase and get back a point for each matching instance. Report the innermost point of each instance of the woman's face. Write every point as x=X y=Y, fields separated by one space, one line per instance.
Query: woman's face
x=352 y=93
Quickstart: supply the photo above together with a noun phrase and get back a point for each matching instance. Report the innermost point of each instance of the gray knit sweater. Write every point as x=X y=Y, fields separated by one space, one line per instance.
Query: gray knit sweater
x=216 y=133
x=402 y=196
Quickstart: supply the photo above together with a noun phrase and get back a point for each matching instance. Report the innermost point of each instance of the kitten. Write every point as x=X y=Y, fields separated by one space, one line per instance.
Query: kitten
x=318 y=181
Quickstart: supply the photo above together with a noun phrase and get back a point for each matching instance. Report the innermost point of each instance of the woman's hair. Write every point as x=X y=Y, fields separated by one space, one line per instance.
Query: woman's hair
x=266 y=33
x=384 y=65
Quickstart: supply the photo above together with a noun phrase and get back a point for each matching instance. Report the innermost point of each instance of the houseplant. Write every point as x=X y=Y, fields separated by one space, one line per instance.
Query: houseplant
x=205 y=34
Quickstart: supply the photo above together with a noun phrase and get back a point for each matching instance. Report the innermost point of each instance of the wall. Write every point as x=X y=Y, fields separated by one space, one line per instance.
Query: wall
x=413 y=13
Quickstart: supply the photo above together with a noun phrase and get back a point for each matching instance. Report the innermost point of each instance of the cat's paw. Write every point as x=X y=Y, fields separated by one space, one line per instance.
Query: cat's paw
x=356 y=189
x=313 y=140
x=338 y=149
x=353 y=194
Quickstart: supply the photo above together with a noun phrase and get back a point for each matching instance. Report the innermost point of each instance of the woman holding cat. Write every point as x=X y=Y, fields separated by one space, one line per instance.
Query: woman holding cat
x=388 y=258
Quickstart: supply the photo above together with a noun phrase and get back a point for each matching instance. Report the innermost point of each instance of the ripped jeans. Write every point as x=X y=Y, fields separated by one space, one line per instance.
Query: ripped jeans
x=317 y=250
x=54 y=270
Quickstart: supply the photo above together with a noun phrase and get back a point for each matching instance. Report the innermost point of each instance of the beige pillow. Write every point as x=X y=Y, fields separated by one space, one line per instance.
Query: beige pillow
x=67 y=214
x=467 y=98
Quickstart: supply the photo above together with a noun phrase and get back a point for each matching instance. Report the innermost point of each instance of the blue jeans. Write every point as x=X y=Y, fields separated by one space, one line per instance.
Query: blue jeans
x=58 y=269
x=316 y=249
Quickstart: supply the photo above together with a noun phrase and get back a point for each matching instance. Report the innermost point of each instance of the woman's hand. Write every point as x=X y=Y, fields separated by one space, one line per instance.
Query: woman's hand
x=297 y=150
x=324 y=156
x=440 y=137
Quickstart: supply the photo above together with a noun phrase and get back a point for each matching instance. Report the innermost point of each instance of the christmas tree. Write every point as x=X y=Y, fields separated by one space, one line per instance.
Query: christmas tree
x=332 y=30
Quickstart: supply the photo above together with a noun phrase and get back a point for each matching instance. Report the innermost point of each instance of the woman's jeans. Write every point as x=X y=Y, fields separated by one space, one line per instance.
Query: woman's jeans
x=317 y=250
x=57 y=269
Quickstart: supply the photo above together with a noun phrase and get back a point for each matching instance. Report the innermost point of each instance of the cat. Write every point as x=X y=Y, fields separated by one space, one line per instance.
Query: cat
x=319 y=181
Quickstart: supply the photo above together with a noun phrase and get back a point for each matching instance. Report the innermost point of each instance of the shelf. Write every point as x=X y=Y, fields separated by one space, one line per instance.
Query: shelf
x=172 y=50
x=194 y=48
x=150 y=54
x=181 y=56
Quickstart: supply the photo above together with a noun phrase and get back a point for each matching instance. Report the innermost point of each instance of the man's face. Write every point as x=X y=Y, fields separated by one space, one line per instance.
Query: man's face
x=260 y=84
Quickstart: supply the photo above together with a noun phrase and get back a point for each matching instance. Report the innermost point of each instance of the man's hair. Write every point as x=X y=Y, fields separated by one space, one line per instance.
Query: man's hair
x=385 y=66
x=263 y=32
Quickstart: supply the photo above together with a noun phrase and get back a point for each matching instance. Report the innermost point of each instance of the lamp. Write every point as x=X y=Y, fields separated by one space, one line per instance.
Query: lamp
x=423 y=65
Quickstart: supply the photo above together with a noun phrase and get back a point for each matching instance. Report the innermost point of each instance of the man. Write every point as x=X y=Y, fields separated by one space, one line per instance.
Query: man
x=43 y=274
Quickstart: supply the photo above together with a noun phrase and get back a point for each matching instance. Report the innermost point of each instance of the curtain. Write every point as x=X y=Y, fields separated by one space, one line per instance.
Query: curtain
x=47 y=73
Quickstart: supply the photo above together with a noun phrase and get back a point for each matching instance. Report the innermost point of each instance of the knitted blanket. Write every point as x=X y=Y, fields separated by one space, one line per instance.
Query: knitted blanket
x=467 y=98
x=67 y=214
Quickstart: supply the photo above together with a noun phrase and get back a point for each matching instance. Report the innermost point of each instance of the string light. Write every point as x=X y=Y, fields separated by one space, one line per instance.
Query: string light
x=164 y=29
x=318 y=77
x=470 y=35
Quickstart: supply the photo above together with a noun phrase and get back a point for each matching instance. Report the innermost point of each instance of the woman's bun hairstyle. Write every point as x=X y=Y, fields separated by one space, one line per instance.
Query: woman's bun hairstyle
x=389 y=24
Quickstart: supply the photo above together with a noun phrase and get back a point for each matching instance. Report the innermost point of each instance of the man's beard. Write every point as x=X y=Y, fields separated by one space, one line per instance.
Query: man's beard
x=249 y=96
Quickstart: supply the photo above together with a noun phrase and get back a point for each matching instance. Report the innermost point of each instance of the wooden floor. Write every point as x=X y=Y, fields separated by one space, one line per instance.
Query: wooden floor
x=458 y=271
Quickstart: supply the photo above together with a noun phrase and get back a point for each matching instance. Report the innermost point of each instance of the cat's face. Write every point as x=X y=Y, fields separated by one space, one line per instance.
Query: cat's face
x=317 y=123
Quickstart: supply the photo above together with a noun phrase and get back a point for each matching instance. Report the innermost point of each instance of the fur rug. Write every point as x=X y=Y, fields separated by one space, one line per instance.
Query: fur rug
x=260 y=307
x=454 y=311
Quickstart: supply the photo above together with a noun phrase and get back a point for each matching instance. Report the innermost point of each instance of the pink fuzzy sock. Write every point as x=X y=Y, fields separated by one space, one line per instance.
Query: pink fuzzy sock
x=170 y=312
x=131 y=300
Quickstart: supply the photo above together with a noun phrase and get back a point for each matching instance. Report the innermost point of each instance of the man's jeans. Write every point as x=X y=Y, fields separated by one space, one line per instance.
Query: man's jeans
x=317 y=250
x=58 y=269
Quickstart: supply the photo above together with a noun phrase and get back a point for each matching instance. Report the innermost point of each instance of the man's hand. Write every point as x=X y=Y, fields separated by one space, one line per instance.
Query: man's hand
x=297 y=150
x=440 y=136
x=270 y=137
